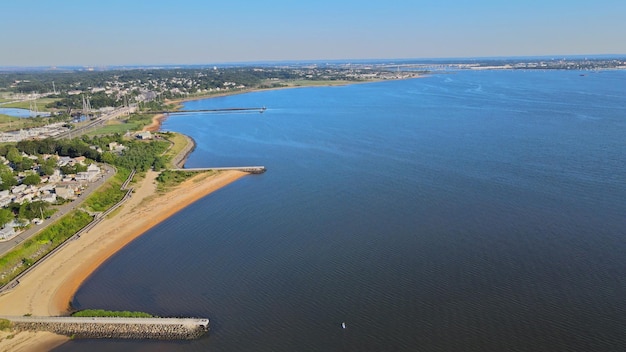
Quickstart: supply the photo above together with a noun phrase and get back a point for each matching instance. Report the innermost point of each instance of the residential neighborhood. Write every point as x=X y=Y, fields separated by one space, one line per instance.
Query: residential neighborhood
x=55 y=188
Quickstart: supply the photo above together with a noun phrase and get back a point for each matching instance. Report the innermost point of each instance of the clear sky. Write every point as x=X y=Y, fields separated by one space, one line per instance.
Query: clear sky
x=119 y=32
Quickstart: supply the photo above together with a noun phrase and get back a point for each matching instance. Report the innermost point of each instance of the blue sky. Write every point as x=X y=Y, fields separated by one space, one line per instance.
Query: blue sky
x=114 y=32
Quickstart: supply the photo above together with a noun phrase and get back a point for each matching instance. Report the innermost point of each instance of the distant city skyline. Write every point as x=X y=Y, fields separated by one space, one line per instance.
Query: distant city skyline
x=141 y=32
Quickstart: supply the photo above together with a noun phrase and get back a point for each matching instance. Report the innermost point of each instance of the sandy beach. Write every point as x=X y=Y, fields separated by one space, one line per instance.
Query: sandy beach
x=49 y=289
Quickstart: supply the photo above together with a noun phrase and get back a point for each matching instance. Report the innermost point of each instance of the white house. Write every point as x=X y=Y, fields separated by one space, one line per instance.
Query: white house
x=18 y=189
x=49 y=197
x=4 y=201
x=144 y=135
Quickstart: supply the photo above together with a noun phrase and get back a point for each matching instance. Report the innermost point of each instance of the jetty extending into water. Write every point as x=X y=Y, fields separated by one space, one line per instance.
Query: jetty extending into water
x=119 y=328
x=253 y=109
x=249 y=169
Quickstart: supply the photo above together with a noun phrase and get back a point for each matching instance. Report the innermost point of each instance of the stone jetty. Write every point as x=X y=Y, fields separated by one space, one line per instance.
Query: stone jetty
x=118 y=328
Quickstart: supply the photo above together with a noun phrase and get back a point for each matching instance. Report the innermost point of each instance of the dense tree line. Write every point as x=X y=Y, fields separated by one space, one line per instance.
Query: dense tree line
x=139 y=155
x=75 y=102
x=66 y=80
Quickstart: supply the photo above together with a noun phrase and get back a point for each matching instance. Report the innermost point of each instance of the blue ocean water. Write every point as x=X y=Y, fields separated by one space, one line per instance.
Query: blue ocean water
x=470 y=211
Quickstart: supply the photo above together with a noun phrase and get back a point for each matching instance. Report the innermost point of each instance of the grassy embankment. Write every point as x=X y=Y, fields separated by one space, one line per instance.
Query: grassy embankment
x=27 y=253
x=11 y=123
x=111 y=313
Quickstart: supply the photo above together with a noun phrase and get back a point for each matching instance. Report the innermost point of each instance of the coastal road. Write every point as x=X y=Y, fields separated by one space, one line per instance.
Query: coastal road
x=62 y=210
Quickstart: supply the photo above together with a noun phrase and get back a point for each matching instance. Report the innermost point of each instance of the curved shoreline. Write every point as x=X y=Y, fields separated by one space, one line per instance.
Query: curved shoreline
x=157 y=120
x=49 y=289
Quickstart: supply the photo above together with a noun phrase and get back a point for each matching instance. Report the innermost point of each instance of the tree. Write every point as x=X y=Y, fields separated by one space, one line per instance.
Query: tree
x=25 y=164
x=14 y=155
x=32 y=179
x=47 y=167
x=107 y=157
x=8 y=180
x=33 y=210
x=5 y=216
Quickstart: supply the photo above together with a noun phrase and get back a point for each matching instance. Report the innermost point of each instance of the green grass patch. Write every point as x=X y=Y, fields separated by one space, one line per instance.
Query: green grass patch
x=120 y=128
x=109 y=194
x=24 y=255
x=12 y=123
x=134 y=123
x=179 y=143
x=7 y=118
x=5 y=325
x=168 y=178
x=111 y=313
x=41 y=104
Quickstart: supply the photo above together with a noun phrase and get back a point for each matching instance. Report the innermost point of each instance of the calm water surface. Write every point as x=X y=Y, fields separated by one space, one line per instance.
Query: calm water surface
x=476 y=211
x=15 y=112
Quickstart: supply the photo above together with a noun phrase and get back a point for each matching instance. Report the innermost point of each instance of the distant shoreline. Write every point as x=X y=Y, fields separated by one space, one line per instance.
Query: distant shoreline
x=49 y=289
x=157 y=120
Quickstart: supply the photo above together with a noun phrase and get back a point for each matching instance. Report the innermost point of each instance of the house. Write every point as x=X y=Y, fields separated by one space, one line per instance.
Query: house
x=55 y=177
x=116 y=147
x=93 y=168
x=21 y=199
x=18 y=189
x=64 y=160
x=49 y=197
x=45 y=189
x=4 y=201
x=96 y=148
x=144 y=135
x=31 y=189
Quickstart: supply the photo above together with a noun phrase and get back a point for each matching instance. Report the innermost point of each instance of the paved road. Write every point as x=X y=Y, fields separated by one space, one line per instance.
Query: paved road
x=6 y=246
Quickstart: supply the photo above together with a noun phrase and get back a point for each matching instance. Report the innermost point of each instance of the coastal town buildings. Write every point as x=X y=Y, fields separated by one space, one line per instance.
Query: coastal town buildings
x=51 y=189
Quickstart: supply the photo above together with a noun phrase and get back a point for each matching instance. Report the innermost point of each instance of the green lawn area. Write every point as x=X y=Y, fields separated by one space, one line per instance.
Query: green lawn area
x=179 y=143
x=41 y=104
x=10 y=123
x=7 y=118
x=120 y=128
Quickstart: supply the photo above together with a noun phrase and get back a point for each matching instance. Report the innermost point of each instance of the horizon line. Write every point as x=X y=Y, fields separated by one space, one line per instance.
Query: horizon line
x=305 y=61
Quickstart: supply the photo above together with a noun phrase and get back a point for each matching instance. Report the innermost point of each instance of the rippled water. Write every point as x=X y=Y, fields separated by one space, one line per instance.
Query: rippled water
x=476 y=211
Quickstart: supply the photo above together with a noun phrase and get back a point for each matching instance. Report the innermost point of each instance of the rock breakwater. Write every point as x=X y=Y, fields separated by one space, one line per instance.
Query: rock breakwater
x=119 y=328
